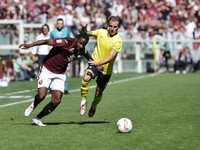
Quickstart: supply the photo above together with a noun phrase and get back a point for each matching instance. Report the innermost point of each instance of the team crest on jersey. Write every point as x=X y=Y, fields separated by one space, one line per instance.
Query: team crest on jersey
x=72 y=49
x=110 y=43
x=40 y=82
x=59 y=41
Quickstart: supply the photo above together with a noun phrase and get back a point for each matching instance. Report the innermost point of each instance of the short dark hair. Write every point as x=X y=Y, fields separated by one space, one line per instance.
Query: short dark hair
x=115 y=18
x=60 y=19
x=44 y=26
x=83 y=35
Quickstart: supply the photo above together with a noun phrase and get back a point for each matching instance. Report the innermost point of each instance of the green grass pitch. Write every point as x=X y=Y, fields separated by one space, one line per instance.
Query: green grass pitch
x=164 y=110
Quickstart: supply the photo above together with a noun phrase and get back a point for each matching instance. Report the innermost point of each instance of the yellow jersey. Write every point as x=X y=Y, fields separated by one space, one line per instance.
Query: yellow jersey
x=104 y=46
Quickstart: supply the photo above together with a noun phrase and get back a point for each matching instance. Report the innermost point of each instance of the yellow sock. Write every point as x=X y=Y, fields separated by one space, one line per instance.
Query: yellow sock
x=97 y=100
x=84 y=89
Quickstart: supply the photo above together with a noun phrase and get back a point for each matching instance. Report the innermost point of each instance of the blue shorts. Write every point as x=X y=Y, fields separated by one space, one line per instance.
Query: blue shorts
x=102 y=79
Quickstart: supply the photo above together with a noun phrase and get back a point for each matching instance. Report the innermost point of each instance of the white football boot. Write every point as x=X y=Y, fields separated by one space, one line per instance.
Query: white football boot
x=83 y=109
x=38 y=122
x=29 y=110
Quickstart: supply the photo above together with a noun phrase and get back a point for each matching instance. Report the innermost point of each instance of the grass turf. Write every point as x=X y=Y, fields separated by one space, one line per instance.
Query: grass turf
x=164 y=110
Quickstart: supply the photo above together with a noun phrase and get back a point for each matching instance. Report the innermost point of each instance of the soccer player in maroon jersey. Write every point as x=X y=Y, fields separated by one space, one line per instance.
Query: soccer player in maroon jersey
x=52 y=72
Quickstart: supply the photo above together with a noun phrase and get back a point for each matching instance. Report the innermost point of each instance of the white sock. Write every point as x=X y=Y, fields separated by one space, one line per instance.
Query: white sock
x=83 y=102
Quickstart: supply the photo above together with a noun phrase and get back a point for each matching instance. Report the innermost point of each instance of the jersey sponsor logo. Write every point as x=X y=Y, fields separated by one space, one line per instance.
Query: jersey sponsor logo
x=59 y=41
x=70 y=58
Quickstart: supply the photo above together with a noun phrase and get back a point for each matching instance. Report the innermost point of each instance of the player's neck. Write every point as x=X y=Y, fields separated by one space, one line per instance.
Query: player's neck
x=59 y=29
x=111 y=35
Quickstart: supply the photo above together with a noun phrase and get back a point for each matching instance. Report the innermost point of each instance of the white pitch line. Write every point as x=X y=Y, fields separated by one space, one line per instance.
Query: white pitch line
x=91 y=87
x=25 y=91
x=15 y=96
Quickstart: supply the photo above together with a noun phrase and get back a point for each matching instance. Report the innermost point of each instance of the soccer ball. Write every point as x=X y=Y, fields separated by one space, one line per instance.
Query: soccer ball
x=124 y=125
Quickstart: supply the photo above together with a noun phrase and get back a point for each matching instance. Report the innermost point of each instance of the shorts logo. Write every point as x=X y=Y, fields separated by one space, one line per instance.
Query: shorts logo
x=40 y=82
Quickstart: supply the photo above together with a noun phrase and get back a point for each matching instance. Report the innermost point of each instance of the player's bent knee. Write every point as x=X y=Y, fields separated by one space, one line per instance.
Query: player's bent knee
x=88 y=75
x=41 y=96
x=86 y=78
x=56 y=102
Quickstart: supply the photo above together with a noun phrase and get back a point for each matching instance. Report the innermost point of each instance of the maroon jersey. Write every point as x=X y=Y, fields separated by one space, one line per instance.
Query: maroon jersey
x=61 y=54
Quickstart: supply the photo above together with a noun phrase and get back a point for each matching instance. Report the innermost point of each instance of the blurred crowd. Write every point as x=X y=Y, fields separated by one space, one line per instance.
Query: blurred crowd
x=138 y=15
x=142 y=19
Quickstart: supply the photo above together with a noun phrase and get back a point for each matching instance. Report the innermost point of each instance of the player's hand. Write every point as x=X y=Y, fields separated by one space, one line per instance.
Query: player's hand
x=84 y=24
x=24 y=46
x=92 y=63
x=100 y=68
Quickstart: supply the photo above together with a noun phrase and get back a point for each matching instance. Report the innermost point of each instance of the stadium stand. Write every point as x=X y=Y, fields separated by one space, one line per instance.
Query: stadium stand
x=142 y=20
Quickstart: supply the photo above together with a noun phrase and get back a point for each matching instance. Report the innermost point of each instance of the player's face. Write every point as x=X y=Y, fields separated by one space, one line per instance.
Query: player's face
x=113 y=27
x=80 y=44
x=60 y=24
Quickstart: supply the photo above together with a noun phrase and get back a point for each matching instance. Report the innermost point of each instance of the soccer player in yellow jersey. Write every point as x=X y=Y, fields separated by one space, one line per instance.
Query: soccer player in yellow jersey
x=109 y=44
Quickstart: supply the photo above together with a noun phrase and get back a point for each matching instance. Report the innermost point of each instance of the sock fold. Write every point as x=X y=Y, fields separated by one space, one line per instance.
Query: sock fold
x=84 y=89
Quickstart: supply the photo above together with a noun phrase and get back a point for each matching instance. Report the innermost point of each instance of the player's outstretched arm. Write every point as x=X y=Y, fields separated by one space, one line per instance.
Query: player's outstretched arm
x=40 y=42
x=84 y=28
x=89 y=57
x=112 y=55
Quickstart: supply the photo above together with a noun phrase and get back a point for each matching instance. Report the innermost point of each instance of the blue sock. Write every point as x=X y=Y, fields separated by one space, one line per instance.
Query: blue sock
x=66 y=85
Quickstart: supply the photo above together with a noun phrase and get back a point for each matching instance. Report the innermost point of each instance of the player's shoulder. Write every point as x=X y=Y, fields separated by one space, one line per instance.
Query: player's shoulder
x=118 y=37
x=103 y=30
x=100 y=30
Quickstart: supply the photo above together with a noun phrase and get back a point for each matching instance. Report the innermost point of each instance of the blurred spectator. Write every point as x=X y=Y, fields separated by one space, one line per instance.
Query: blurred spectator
x=188 y=59
x=107 y=12
x=163 y=59
x=85 y=18
x=117 y=8
x=180 y=64
x=80 y=10
x=42 y=50
x=32 y=64
x=149 y=36
x=134 y=14
x=100 y=20
x=88 y=7
x=69 y=21
x=196 y=46
x=21 y=63
x=76 y=66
